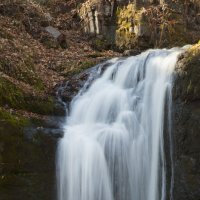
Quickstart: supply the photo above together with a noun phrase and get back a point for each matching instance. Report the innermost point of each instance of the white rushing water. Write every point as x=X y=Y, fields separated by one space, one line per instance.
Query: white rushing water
x=113 y=145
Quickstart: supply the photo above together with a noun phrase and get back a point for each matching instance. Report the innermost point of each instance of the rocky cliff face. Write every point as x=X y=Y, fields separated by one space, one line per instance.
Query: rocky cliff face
x=186 y=126
x=142 y=24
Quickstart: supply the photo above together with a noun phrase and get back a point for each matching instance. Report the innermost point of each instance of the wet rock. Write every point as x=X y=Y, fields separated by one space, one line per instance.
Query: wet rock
x=131 y=52
x=186 y=126
x=60 y=108
x=71 y=88
x=30 y=133
x=68 y=90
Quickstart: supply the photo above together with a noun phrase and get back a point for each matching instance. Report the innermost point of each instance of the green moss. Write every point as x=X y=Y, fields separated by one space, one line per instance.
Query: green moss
x=10 y=94
x=16 y=121
x=14 y=97
x=191 y=67
x=44 y=106
x=94 y=55
x=86 y=64
x=100 y=44
x=76 y=68
x=11 y=132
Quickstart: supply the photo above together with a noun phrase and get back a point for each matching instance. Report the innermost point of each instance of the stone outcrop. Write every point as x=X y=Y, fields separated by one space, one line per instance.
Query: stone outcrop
x=142 y=24
x=99 y=17
x=186 y=126
x=56 y=36
x=27 y=160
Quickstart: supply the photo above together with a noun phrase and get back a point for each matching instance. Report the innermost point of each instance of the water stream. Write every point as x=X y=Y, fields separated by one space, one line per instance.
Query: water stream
x=113 y=146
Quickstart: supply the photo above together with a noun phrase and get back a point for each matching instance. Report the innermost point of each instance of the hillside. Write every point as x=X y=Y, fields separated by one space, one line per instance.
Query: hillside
x=34 y=61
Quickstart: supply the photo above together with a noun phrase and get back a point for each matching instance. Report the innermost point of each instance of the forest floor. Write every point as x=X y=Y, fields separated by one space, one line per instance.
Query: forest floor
x=34 y=61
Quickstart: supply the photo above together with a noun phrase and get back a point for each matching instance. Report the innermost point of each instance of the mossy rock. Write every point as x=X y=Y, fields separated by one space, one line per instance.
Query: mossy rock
x=14 y=97
x=10 y=94
x=188 y=69
x=26 y=165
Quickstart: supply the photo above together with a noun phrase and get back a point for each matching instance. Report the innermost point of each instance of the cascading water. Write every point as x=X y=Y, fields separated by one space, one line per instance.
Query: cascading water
x=113 y=147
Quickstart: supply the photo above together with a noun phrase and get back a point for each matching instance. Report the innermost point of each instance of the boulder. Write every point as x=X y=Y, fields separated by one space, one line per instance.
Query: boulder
x=56 y=35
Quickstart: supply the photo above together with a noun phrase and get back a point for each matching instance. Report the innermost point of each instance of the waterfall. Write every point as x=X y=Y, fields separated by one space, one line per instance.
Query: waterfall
x=113 y=147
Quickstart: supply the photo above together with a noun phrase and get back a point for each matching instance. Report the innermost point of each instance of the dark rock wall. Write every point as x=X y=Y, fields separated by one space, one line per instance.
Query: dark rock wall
x=27 y=160
x=186 y=130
